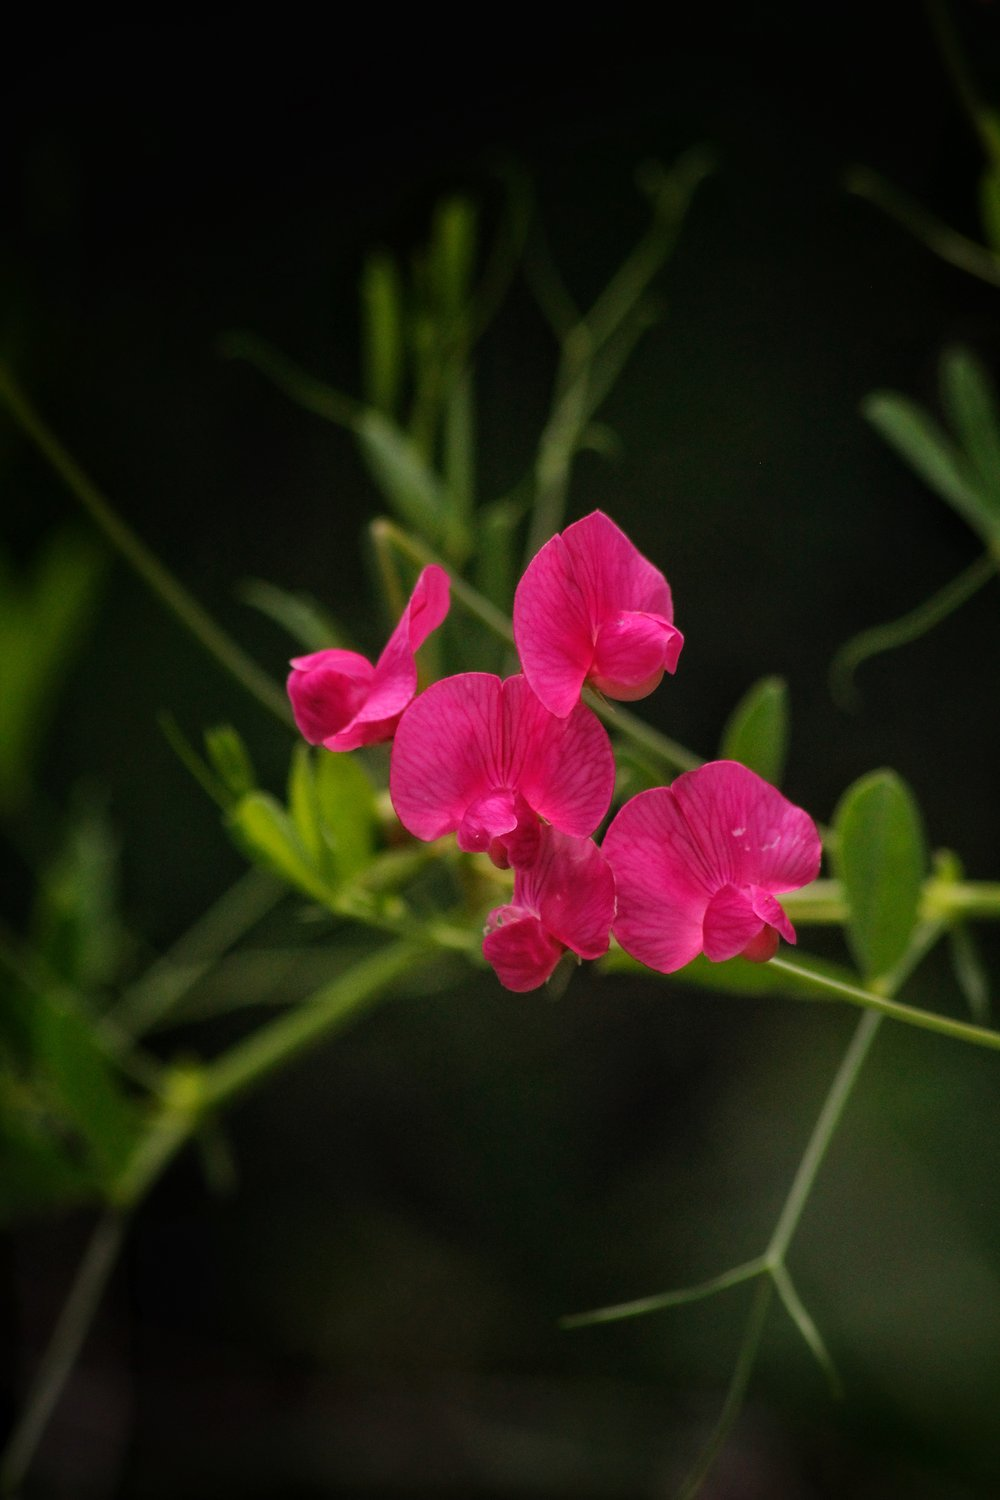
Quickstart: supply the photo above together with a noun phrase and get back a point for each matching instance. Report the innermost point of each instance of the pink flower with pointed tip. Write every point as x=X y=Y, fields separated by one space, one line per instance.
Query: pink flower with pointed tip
x=698 y=866
x=591 y=608
x=341 y=701
x=564 y=900
x=482 y=758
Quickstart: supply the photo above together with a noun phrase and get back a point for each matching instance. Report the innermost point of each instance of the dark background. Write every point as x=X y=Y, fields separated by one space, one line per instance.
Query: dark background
x=373 y=1310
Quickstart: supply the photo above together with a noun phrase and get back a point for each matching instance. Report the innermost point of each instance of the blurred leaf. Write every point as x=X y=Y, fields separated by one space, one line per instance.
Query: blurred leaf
x=267 y=835
x=191 y=760
x=348 y=812
x=920 y=441
x=305 y=620
x=382 y=332
x=970 y=973
x=39 y=1169
x=75 y=927
x=452 y=255
x=73 y=1066
x=757 y=730
x=971 y=404
x=989 y=206
x=414 y=492
x=879 y=855
x=231 y=760
x=41 y=627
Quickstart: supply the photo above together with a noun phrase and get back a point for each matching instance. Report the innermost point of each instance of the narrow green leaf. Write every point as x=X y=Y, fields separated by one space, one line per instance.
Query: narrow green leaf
x=970 y=972
x=75 y=926
x=920 y=441
x=879 y=855
x=231 y=760
x=72 y=1064
x=267 y=835
x=382 y=332
x=989 y=206
x=452 y=254
x=305 y=620
x=756 y=732
x=971 y=403
x=304 y=807
x=411 y=488
x=348 y=814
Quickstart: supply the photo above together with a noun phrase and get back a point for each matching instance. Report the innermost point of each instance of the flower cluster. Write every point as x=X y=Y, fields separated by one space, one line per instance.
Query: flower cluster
x=522 y=771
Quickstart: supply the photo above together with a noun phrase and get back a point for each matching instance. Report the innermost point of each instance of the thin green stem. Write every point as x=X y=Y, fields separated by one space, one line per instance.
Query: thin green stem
x=146 y=1003
x=959 y=1031
x=954 y=58
x=168 y=590
x=63 y=1349
x=745 y=1360
x=678 y=1298
x=803 y=1321
x=909 y=627
x=957 y=249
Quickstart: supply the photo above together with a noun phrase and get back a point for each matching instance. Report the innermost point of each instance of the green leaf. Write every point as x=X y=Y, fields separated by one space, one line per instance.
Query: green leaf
x=382 y=332
x=42 y=621
x=920 y=441
x=72 y=1067
x=305 y=620
x=970 y=972
x=452 y=254
x=879 y=856
x=75 y=926
x=756 y=732
x=231 y=760
x=971 y=403
x=412 y=489
x=989 y=206
x=348 y=812
x=266 y=833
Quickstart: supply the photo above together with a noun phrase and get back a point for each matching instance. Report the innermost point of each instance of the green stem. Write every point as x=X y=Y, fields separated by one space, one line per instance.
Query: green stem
x=642 y=1305
x=823 y=1131
x=745 y=1360
x=943 y=241
x=959 y=1031
x=63 y=1349
x=170 y=592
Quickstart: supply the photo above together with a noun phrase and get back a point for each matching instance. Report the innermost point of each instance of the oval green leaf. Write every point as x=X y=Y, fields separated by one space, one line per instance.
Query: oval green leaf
x=756 y=732
x=880 y=858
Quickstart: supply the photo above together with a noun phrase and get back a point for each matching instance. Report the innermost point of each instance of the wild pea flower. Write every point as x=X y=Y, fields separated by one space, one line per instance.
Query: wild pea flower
x=565 y=899
x=341 y=701
x=591 y=608
x=698 y=865
x=482 y=758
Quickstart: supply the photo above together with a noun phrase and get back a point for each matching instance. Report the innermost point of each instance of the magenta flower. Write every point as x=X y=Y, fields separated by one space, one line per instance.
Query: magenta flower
x=341 y=701
x=590 y=608
x=698 y=865
x=482 y=758
x=565 y=899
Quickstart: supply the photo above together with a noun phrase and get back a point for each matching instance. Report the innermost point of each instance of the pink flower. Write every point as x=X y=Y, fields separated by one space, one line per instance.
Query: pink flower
x=482 y=758
x=590 y=608
x=698 y=864
x=341 y=701
x=566 y=899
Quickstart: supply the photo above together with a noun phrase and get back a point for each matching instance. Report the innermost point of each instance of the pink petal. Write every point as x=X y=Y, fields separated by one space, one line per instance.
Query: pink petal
x=730 y=924
x=746 y=832
x=772 y=912
x=661 y=892
x=486 y=819
x=326 y=690
x=631 y=654
x=571 y=887
x=565 y=768
x=395 y=678
x=447 y=753
x=553 y=629
x=612 y=572
x=519 y=948
x=577 y=584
